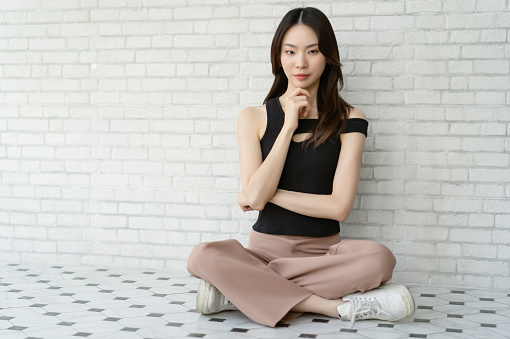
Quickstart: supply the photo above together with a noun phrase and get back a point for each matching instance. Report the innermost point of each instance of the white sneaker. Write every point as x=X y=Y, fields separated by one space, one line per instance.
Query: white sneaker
x=388 y=302
x=210 y=300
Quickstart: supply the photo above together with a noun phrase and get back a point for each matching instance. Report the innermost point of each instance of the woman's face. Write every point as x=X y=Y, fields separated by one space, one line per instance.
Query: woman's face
x=300 y=54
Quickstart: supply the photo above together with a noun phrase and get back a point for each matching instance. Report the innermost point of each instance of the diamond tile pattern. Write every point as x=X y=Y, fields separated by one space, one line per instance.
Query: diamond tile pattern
x=53 y=301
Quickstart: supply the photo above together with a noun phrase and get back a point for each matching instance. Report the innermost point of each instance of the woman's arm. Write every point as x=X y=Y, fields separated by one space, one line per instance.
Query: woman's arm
x=339 y=203
x=260 y=178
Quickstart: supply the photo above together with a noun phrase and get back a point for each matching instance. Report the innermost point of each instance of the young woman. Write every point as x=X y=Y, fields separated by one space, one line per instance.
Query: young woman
x=300 y=157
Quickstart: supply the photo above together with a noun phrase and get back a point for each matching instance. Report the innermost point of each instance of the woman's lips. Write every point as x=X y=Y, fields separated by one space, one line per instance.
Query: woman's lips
x=301 y=77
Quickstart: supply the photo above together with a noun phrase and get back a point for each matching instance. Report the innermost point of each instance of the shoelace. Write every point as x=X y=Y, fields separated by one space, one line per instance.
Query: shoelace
x=364 y=307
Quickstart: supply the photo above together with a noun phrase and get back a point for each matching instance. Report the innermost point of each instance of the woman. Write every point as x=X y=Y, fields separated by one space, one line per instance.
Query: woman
x=300 y=156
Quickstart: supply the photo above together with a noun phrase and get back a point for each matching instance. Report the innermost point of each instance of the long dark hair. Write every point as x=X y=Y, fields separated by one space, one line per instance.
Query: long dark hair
x=333 y=110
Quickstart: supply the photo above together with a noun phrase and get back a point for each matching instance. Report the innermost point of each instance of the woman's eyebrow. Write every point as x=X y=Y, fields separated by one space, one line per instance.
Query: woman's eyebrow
x=315 y=44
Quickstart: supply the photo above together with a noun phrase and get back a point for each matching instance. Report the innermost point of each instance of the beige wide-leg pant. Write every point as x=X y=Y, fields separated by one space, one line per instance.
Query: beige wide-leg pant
x=276 y=272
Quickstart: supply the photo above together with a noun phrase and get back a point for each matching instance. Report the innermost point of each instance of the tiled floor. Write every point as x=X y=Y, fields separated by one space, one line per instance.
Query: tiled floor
x=53 y=301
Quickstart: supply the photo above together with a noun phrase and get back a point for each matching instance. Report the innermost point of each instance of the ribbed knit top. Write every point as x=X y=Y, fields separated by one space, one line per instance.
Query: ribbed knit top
x=310 y=171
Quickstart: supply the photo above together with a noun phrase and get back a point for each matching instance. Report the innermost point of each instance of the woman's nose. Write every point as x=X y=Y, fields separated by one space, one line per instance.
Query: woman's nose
x=301 y=61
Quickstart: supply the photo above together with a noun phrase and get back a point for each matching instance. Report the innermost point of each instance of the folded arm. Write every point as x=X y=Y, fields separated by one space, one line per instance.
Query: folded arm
x=339 y=203
x=259 y=178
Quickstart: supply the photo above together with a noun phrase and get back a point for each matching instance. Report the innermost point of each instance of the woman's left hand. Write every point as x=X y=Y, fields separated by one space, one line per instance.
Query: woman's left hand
x=243 y=203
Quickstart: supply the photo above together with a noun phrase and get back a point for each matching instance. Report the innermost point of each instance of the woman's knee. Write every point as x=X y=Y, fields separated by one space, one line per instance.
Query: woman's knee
x=383 y=258
x=206 y=255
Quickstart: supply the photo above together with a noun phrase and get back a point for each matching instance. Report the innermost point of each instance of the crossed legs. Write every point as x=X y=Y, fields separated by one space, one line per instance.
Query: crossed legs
x=268 y=291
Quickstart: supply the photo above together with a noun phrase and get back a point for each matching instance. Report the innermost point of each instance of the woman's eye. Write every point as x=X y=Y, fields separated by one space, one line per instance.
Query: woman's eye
x=314 y=50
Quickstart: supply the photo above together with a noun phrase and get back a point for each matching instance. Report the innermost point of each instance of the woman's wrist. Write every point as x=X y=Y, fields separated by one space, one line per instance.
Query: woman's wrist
x=287 y=130
x=275 y=197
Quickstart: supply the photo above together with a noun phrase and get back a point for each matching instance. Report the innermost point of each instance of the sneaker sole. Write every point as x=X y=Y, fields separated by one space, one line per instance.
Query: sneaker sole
x=203 y=294
x=406 y=297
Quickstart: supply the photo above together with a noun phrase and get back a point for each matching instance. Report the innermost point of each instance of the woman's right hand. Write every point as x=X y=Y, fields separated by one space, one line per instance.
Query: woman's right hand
x=296 y=107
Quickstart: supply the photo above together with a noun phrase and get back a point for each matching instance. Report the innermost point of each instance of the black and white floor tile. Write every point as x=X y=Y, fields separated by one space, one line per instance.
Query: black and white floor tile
x=57 y=302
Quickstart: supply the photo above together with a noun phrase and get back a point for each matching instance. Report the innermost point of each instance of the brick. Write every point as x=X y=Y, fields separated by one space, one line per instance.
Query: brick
x=426 y=159
x=419 y=203
x=489 y=175
x=457 y=205
x=218 y=212
x=449 y=249
x=479 y=251
x=503 y=220
x=380 y=217
x=394 y=173
x=368 y=53
x=491 y=6
x=353 y=38
x=153 y=236
x=495 y=83
x=490 y=98
x=390 y=8
x=422 y=264
x=426 y=234
x=501 y=237
x=389 y=98
x=392 y=142
x=200 y=225
x=26 y=232
x=459 y=190
x=437 y=52
x=461 y=159
x=21 y=5
x=390 y=187
x=426 y=37
x=354 y=232
x=460 y=67
x=497 y=206
x=438 y=143
x=489 y=191
x=458 y=98
x=412 y=277
x=447 y=265
x=478 y=282
x=464 y=129
x=473 y=235
x=419 y=188
x=382 y=202
x=431 y=21
x=198 y=169
x=474 y=21
x=481 y=220
x=392 y=22
x=482 y=144
x=415 y=249
x=464 y=6
x=462 y=36
x=383 y=158
x=482 y=52
x=423 y=97
x=492 y=159
x=415 y=218
x=481 y=267
x=503 y=252
x=432 y=83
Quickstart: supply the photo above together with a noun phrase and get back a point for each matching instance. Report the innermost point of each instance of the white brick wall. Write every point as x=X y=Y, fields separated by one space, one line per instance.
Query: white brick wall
x=118 y=129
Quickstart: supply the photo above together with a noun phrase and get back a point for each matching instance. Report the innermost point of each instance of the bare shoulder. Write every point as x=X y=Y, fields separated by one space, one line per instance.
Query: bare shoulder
x=253 y=118
x=357 y=113
x=252 y=114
